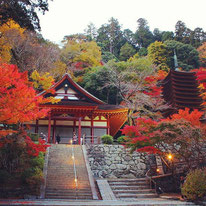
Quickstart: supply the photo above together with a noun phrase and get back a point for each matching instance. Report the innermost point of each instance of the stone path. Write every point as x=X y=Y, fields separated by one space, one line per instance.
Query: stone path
x=60 y=181
x=142 y=202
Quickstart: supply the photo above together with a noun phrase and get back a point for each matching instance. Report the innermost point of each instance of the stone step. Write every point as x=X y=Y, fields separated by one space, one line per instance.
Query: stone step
x=125 y=187
x=72 y=197
x=134 y=191
x=60 y=174
x=131 y=195
x=127 y=180
x=127 y=183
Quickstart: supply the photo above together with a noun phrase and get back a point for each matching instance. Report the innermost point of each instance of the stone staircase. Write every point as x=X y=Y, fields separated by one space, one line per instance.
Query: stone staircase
x=125 y=189
x=60 y=181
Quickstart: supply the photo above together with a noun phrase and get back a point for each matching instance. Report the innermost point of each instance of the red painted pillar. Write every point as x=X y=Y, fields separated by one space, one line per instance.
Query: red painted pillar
x=108 y=125
x=92 y=130
x=37 y=126
x=79 y=131
x=49 y=128
x=54 y=132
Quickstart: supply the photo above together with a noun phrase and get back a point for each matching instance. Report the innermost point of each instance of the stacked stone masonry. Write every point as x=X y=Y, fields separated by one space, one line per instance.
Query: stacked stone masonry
x=114 y=161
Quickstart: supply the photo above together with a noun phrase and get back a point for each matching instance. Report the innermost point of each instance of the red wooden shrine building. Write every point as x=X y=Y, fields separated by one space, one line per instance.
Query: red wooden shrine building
x=80 y=112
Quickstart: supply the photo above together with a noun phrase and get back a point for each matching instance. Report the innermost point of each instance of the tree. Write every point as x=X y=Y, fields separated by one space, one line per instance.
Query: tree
x=126 y=51
x=167 y=35
x=94 y=81
x=9 y=30
x=31 y=53
x=23 y=12
x=91 y=32
x=143 y=35
x=129 y=37
x=202 y=53
x=18 y=100
x=157 y=34
x=110 y=36
x=130 y=79
x=187 y=55
x=158 y=53
x=43 y=82
x=182 y=33
x=79 y=55
x=182 y=135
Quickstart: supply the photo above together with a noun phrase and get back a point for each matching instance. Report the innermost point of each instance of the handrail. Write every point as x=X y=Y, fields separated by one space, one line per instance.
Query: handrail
x=151 y=180
x=75 y=171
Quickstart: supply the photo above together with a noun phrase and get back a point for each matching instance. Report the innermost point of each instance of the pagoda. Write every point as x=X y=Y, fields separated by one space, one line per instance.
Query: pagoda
x=180 y=90
x=78 y=112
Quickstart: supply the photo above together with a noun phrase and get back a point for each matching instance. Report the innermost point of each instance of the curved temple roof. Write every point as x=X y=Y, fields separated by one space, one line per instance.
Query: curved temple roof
x=76 y=100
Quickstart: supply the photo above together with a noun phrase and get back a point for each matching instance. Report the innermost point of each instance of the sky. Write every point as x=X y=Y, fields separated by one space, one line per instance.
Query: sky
x=67 y=17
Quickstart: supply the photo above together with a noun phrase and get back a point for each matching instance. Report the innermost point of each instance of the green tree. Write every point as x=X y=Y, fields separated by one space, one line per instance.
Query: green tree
x=129 y=37
x=91 y=32
x=143 y=35
x=167 y=35
x=182 y=33
x=110 y=36
x=157 y=35
x=126 y=51
x=187 y=55
x=96 y=80
x=158 y=53
x=23 y=12
x=142 y=52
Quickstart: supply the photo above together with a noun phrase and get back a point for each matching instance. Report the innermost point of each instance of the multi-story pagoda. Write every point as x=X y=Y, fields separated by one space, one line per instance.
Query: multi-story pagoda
x=180 y=90
x=80 y=112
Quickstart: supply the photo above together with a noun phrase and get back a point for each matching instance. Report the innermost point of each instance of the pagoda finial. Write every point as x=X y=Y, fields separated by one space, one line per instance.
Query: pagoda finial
x=175 y=61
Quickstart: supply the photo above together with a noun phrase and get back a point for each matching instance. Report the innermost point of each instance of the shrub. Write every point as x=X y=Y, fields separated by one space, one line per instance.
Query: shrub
x=194 y=187
x=37 y=161
x=4 y=176
x=107 y=139
x=33 y=136
x=121 y=139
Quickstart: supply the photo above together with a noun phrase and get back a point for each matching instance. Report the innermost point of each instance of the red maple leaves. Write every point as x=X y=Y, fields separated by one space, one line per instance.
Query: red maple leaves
x=18 y=100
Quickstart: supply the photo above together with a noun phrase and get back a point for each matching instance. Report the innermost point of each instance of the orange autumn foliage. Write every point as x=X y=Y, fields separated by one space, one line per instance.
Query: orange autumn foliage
x=18 y=100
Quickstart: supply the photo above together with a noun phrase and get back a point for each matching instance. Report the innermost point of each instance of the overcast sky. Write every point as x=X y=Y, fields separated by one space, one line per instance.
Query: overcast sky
x=72 y=16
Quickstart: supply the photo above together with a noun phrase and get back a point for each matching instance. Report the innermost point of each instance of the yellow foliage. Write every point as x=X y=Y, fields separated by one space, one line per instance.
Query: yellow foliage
x=42 y=82
x=82 y=51
x=8 y=31
x=135 y=57
x=59 y=69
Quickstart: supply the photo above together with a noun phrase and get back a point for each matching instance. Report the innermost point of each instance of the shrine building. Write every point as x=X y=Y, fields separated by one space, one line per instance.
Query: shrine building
x=78 y=111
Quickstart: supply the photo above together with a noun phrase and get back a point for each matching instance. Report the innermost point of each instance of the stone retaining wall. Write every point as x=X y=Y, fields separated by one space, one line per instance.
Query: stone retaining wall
x=114 y=161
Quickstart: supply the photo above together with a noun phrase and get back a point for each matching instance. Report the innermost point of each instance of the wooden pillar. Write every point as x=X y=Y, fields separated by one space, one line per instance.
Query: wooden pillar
x=108 y=125
x=37 y=126
x=79 y=131
x=74 y=126
x=54 y=132
x=49 y=128
x=92 y=130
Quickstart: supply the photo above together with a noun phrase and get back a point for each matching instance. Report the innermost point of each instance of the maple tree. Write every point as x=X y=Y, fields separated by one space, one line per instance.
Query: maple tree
x=80 y=54
x=202 y=53
x=19 y=102
x=201 y=78
x=182 y=134
x=42 y=82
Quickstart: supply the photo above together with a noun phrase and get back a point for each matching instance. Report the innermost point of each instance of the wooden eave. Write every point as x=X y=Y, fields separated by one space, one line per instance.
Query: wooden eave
x=180 y=90
x=77 y=87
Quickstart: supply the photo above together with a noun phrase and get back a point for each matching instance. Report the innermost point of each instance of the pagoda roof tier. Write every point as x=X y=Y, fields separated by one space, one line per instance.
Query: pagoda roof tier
x=180 y=90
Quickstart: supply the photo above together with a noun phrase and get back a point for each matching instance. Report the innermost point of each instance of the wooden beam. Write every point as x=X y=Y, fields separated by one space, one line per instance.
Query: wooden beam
x=79 y=131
